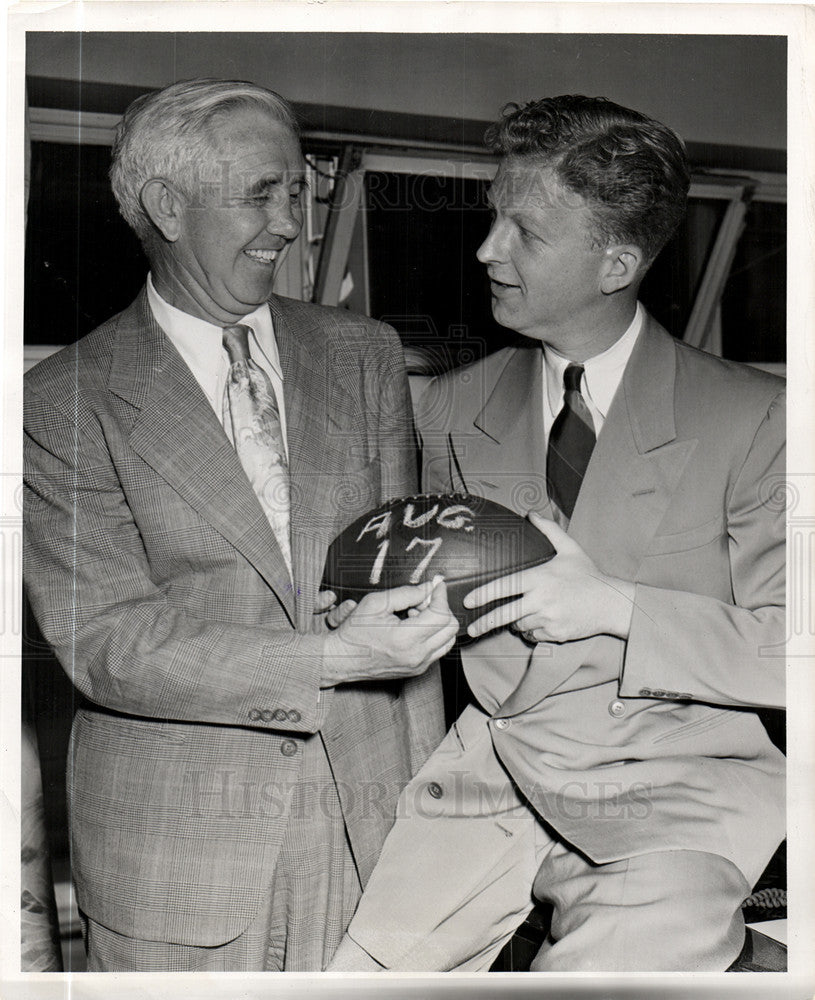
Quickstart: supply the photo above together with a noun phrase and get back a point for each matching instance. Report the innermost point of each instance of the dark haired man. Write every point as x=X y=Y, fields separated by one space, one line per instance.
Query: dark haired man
x=612 y=765
x=187 y=465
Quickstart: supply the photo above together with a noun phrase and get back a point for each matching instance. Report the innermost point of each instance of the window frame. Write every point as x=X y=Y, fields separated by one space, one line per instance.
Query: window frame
x=319 y=262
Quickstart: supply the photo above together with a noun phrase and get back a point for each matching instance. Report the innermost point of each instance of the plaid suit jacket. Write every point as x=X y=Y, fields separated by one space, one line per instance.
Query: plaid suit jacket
x=158 y=580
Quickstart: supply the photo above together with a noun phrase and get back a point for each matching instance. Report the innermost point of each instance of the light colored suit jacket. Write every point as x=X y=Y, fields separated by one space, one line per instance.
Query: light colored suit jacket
x=649 y=744
x=157 y=578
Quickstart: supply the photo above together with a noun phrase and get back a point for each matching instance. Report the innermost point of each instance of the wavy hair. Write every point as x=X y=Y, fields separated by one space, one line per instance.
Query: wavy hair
x=632 y=170
x=170 y=133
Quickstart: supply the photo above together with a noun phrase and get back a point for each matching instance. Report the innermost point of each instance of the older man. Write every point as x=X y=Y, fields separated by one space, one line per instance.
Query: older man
x=187 y=464
x=614 y=766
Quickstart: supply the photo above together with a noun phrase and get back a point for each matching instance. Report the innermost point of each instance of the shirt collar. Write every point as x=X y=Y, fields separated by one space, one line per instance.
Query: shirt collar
x=200 y=343
x=601 y=374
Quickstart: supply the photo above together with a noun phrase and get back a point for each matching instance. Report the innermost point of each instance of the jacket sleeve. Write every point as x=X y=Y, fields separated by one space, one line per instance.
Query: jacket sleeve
x=112 y=625
x=123 y=641
x=687 y=646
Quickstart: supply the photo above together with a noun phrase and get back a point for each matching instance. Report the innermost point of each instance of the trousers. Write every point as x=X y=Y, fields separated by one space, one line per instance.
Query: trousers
x=468 y=858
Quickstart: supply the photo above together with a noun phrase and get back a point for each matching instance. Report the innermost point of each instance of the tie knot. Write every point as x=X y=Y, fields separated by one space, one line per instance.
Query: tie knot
x=236 y=342
x=572 y=377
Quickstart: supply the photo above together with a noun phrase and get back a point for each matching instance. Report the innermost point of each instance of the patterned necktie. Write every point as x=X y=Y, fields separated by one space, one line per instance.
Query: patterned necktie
x=251 y=407
x=571 y=442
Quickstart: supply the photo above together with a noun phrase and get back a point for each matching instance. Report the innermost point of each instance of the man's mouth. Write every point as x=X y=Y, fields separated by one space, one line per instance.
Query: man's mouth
x=262 y=256
x=500 y=285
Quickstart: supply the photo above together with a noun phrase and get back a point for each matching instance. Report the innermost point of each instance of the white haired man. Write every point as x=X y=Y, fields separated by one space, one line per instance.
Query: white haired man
x=187 y=464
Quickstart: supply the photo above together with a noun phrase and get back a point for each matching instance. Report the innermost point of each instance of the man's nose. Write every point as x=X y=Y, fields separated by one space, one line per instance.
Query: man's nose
x=491 y=250
x=285 y=218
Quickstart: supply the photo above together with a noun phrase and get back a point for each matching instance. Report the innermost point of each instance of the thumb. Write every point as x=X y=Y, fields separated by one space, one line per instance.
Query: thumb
x=553 y=531
x=398 y=598
x=438 y=598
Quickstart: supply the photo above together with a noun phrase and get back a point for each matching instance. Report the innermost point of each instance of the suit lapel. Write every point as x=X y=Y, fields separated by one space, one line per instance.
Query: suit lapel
x=320 y=424
x=633 y=473
x=636 y=463
x=178 y=435
x=510 y=459
x=515 y=390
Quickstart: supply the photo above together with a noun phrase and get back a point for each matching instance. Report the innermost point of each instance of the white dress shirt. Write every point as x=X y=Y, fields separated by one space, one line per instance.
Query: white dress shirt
x=602 y=375
x=200 y=344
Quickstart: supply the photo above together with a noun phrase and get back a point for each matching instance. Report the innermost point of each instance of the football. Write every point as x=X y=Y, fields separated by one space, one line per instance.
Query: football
x=466 y=539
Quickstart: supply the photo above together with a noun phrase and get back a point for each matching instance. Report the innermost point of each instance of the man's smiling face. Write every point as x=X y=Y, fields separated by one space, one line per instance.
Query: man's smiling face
x=248 y=211
x=543 y=268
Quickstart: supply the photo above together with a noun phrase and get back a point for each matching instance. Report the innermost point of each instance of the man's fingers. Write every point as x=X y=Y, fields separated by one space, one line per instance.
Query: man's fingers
x=442 y=642
x=553 y=531
x=497 y=618
x=412 y=612
x=443 y=650
x=437 y=614
x=324 y=600
x=336 y=616
x=438 y=597
x=527 y=623
x=397 y=599
x=428 y=598
x=504 y=586
x=439 y=624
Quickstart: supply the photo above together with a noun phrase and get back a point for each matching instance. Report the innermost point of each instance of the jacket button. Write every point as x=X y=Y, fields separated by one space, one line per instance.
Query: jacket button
x=617 y=709
x=288 y=748
x=280 y=714
x=435 y=789
x=502 y=723
x=293 y=715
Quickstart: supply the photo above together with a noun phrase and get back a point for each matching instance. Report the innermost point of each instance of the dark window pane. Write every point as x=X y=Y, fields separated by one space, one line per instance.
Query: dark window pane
x=670 y=286
x=754 y=301
x=423 y=234
x=82 y=262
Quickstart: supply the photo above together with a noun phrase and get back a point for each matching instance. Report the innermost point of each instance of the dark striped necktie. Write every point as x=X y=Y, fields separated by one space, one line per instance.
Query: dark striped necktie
x=571 y=442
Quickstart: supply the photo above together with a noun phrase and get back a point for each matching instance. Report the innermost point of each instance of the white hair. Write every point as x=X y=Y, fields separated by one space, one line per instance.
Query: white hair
x=169 y=134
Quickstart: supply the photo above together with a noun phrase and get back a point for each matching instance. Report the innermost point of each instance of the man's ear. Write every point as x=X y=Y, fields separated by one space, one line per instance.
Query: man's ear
x=623 y=266
x=165 y=207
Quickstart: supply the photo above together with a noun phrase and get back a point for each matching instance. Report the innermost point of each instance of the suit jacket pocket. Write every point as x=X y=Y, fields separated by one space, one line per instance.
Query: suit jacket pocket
x=690 y=730
x=691 y=538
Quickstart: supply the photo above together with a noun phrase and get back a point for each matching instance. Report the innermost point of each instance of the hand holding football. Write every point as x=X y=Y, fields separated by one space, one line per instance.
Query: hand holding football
x=466 y=539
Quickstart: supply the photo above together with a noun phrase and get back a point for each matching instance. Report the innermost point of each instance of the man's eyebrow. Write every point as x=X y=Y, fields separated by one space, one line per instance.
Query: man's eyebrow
x=263 y=184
